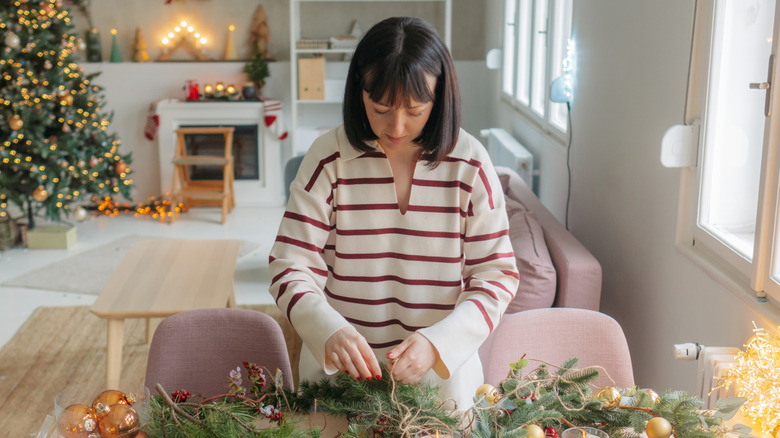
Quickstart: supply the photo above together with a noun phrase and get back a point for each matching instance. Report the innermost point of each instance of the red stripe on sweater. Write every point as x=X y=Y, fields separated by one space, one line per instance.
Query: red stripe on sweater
x=298 y=243
x=387 y=344
x=359 y=207
x=487 y=291
x=283 y=288
x=306 y=219
x=294 y=301
x=484 y=314
x=502 y=287
x=434 y=183
x=482 y=176
x=373 y=154
x=390 y=300
x=386 y=323
x=321 y=272
x=396 y=255
x=409 y=281
x=402 y=231
x=513 y=274
x=435 y=209
x=490 y=236
x=359 y=181
x=494 y=256
x=318 y=170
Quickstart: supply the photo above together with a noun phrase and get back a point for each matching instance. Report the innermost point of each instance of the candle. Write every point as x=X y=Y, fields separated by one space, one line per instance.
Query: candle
x=116 y=56
x=230 y=51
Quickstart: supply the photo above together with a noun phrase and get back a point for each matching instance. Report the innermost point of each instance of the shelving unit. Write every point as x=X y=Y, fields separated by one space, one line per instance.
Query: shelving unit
x=311 y=117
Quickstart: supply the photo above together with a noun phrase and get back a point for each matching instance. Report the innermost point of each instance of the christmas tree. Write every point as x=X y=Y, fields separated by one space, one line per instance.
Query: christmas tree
x=56 y=149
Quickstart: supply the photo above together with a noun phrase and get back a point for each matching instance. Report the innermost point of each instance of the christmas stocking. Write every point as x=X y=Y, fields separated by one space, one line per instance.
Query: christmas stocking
x=273 y=118
x=152 y=122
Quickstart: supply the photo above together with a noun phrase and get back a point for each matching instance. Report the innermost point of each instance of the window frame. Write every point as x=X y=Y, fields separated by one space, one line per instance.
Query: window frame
x=526 y=110
x=750 y=280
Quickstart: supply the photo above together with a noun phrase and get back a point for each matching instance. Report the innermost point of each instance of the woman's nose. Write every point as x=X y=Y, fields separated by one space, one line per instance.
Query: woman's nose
x=397 y=124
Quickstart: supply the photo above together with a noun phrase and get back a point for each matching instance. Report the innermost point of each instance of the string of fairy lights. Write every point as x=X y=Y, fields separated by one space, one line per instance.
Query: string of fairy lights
x=36 y=97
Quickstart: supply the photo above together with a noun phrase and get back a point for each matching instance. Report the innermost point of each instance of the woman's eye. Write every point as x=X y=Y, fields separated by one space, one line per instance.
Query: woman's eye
x=381 y=112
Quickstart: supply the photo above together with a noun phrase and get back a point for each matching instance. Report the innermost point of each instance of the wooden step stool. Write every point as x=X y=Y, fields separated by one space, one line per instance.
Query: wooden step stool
x=185 y=190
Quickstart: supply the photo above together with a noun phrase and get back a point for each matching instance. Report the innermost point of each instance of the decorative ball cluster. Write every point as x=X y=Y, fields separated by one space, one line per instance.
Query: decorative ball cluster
x=111 y=415
x=180 y=396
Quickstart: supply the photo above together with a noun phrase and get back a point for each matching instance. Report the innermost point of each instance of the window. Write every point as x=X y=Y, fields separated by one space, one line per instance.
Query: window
x=536 y=35
x=732 y=219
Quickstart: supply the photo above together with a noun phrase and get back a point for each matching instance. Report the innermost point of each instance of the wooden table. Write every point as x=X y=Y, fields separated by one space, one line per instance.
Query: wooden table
x=159 y=278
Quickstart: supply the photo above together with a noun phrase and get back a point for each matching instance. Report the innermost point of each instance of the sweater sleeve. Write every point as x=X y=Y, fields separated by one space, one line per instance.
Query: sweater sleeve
x=296 y=263
x=490 y=276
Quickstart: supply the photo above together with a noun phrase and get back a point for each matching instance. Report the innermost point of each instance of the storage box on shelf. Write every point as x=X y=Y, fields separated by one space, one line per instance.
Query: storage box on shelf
x=319 y=64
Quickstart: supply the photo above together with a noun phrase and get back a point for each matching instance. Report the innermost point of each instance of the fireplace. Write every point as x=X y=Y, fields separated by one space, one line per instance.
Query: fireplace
x=256 y=153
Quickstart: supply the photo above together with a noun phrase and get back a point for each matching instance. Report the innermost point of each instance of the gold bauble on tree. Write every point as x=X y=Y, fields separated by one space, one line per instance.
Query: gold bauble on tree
x=92 y=162
x=77 y=421
x=120 y=420
x=109 y=397
x=534 y=431
x=652 y=395
x=66 y=99
x=40 y=194
x=489 y=392
x=120 y=167
x=658 y=427
x=610 y=396
x=16 y=123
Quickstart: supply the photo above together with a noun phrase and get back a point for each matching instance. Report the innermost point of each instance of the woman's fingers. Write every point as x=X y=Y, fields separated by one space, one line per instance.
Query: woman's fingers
x=349 y=352
x=415 y=359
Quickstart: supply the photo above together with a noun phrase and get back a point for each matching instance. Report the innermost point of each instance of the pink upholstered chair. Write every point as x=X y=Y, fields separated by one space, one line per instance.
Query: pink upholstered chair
x=554 y=335
x=196 y=350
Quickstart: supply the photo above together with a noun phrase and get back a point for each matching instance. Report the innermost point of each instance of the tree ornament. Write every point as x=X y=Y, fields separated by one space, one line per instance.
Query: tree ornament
x=120 y=167
x=12 y=40
x=120 y=420
x=66 y=99
x=550 y=432
x=92 y=162
x=16 y=122
x=40 y=194
x=652 y=395
x=47 y=65
x=489 y=392
x=77 y=421
x=80 y=214
x=109 y=397
x=658 y=427
x=609 y=396
x=534 y=431
x=65 y=127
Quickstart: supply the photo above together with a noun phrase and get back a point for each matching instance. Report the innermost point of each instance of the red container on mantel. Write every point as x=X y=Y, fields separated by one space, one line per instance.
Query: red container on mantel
x=191 y=91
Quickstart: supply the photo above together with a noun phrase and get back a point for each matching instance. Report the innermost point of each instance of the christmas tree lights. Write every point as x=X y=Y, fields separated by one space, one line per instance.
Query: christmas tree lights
x=57 y=150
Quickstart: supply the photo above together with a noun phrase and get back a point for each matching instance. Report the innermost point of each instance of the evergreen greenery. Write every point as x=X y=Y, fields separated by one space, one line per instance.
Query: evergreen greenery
x=553 y=397
x=56 y=149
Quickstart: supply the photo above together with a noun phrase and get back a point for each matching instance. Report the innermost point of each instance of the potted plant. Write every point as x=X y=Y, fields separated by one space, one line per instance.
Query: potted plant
x=256 y=70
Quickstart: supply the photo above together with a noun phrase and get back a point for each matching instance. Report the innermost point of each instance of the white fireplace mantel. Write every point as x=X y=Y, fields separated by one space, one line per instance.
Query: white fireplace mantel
x=267 y=191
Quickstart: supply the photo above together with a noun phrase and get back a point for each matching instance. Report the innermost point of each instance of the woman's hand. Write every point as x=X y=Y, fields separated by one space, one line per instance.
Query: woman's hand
x=412 y=358
x=349 y=352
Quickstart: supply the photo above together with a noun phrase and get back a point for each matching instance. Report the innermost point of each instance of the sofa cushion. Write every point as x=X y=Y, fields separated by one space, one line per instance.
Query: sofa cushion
x=537 y=273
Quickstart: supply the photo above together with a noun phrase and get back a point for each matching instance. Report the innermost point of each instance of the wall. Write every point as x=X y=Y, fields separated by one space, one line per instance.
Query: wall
x=130 y=88
x=212 y=18
x=630 y=87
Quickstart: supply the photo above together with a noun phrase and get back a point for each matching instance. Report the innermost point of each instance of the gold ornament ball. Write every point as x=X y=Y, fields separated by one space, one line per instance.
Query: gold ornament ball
x=77 y=421
x=109 y=397
x=609 y=396
x=534 y=431
x=120 y=167
x=93 y=162
x=66 y=99
x=488 y=391
x=16 y=123
x=658 y=427
x=120 y=420
x=654 y=397
x=40 y=194
x=80 y=214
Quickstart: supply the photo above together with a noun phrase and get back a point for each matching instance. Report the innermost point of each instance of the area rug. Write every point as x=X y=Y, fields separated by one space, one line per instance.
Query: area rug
x=88 y=271
x=58 y=347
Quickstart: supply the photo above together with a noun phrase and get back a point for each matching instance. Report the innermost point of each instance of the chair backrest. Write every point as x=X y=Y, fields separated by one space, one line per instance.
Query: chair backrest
x=555 y=335
x=196 y=350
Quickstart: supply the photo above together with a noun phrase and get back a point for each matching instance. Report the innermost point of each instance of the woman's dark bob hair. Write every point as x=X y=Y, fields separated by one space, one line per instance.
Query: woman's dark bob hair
x=391 y=62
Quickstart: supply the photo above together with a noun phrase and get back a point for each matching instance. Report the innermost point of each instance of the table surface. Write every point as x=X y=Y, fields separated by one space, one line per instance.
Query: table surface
x=159 y=278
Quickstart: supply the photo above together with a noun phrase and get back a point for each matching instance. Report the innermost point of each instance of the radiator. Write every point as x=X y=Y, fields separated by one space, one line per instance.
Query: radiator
x=714 y=362
x=505 y=151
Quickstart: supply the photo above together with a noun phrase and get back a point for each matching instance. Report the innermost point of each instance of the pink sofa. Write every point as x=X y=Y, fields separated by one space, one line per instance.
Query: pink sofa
x=556 y=270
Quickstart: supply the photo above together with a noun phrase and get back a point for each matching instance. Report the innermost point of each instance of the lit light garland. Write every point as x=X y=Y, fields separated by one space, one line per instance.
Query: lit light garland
x=156 y=208
x=756 y=375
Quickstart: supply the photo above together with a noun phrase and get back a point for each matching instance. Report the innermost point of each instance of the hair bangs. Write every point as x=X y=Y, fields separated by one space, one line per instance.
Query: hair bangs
x=397 y=84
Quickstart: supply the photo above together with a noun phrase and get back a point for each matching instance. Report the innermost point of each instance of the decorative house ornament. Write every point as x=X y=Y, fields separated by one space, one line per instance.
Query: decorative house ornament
x=184 y=37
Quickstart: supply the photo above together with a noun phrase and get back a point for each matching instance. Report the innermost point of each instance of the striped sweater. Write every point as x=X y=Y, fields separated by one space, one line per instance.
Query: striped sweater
x=345 y=254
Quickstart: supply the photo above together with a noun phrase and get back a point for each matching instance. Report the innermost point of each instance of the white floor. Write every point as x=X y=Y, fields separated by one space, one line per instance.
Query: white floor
x=257 y=224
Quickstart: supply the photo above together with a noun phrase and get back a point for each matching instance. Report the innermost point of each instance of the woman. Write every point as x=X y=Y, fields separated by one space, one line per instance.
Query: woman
x=394 y=244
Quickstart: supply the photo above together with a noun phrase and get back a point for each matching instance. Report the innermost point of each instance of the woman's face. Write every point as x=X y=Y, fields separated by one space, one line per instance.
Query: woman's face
x=398 y=127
